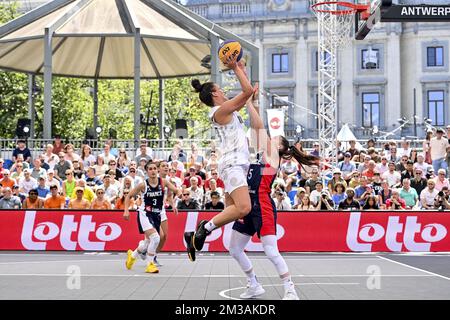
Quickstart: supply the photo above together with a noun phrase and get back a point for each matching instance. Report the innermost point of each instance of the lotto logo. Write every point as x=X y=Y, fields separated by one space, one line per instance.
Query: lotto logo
x=395 y=235
x=89 y=236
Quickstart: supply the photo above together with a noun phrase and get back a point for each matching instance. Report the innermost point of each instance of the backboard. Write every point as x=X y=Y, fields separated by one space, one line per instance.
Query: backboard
x=365 y=21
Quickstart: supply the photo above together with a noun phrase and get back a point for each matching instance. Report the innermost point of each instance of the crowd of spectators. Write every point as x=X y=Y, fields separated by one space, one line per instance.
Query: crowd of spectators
x=390 y=178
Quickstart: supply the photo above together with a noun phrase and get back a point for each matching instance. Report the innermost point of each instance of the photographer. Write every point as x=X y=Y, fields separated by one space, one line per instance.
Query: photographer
x=442 y=200
x=281 y=201
x=325 y=201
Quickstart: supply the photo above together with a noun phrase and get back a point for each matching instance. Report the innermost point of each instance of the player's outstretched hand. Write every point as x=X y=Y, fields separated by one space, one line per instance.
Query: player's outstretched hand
x=231 y=63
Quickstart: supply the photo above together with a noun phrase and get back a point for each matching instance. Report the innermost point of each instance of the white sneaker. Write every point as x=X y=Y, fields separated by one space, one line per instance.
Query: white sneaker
x=253 y=292
x=291 y=294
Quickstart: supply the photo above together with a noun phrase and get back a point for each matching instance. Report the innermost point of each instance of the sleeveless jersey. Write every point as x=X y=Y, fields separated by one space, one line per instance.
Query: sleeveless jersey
x=153 y=200
x=233 y=141
x=260 y=178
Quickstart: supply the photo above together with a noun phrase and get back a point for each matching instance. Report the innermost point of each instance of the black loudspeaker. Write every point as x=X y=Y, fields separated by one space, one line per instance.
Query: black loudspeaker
x=23 y=128
x=181 y=131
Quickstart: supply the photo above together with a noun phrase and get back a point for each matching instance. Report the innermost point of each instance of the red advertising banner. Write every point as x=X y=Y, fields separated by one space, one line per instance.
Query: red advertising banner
x=373 y=231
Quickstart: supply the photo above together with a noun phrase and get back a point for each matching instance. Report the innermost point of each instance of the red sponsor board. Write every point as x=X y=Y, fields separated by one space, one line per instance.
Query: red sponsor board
x=296 y=231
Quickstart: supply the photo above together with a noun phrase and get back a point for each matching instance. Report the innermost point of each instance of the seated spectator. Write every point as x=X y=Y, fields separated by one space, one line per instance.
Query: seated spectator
x=419 y=182
x=120 y=203
x=337 y=178
x=135 y=179
x=409 y=195
x=215 y=176
x=70 y=153
x=371 y=203
x=212 y=163
x=370 y=171
x=37 y=171
x=325 y=201
x=338 y=193
x=58 y=145
x=16 y=192
x=9 y=201
x=214 y=203
x=142 y=154
x=376 y=183
x=79 y=202
x=353 y=150
x=363 y=191
x=174 y=179
x=178 y=153
x=68 y=185
x=441 y=181
x=88 y=193
x=392 y=156
x=213 y=188
x=50 y=157
x=355 y=180
x=114 y=181
x=349 y=203
x=110 y=190
x=442 y=200
x=382 y=167
x=178 y=167
x=395 y=202
x=199 y=170
x=315 y=151
x=310 y=184
x=7 y=181
x=91 y=178
x=19 y=163
x=33 y=201
x=54 y=201
x=391 y=176
x=363 y=166
x=141 y=169
x=384 y=194
x=187 y=179
x=428 y=195
x=430 y=173
x=127 y=184
x=282 y=202
x=316 y=193
x=62 y=167
x=408 y=173
x=52 y=180
x=23 y=150
x=42 y=188
x=78 y=171
x=27 y=183
x=87 y=158
x=401 y=165
x=122 y=162
x=187 y=203
x=100 y=202
x=100 y=166
x=112 y=168
x=405 y=149
x=305 y=204
x=421 y=164
x=196 y=192
x=347 y=167
x=196 y=156
x=148 y=150
x=301 y=193
x=106 y=155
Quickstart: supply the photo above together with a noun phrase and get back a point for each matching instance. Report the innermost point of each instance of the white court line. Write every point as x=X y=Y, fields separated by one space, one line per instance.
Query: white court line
x=414 y=268
x=224 y=295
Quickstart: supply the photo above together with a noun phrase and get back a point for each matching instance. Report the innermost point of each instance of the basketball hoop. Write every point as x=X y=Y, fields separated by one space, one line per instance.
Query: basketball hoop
x=337 y=18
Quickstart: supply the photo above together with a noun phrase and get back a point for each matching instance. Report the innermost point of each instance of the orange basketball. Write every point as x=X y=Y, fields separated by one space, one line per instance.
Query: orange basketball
x=230 y=48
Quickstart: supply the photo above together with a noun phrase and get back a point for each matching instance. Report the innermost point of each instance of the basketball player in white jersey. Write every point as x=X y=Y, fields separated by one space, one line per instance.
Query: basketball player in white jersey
x=234 y=162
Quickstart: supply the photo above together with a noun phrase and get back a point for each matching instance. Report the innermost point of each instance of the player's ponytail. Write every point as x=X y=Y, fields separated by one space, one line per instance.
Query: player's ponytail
x=288 y=152
x=205 y=91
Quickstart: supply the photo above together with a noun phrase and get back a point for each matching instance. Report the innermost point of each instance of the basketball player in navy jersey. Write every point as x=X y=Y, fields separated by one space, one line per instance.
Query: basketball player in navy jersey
x=263 y=215
x=150 y=215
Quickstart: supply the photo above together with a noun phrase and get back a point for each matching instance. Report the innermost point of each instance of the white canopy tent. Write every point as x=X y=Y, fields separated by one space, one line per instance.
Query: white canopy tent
x=113 y=39
x=346 y=135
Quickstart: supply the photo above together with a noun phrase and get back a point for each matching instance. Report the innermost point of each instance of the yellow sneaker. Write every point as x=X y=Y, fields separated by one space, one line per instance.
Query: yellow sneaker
x=130 y=260
x=151 y=268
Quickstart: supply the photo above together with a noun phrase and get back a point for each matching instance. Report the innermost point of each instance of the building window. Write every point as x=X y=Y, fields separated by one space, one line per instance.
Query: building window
x=436 y=107
x=280 y=63
x=327 y=59
x=370 y=109
x=370 y=59
x=435 y=56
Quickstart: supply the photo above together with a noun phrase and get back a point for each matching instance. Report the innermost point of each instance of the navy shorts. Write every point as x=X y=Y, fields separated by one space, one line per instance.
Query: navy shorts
x=261 y=220
x=148 y=220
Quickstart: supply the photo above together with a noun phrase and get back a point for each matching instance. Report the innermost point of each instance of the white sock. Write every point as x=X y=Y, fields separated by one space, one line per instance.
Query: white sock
x=210 y=226
x=287 y=282
x=251 y=276
x=135 y=254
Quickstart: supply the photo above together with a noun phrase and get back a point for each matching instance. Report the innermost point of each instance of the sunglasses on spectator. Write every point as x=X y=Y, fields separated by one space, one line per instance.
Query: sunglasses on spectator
x=132 y=171
x=100 y=192
x=122 y=152
x=112 y=163
x=80 y=191
x=185 y=194
x=441 y=174
x=68 y=173
x=33 y=194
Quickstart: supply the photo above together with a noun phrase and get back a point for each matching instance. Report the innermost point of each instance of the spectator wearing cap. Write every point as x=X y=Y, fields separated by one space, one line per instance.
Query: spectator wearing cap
x=215 y=203
x=23 y=150
x=9 y=201
x=401 y=165
x=310 y=184
x=349 y=203
x=55 y=200
x=301 y=193
x=16 y=192
x=395 y=202
x=347 y=166
x=107 y=155
x=27 y=183
x=428 y=195
x=325 y=201
x=142 y=154
x=79 y=202
x=370 y=171
x=192 y=173
x=42 y=188
x=101 y=202
x=393 y=177
x=88 y=193
x=62 y=167
x=33 y=201
x=421 y=164
x=408 y=172
x=353 y=150
x=7 y=181
x=315 y=151
x=363 y=191
x=408 y=194
x=282 y=201
x=440 y=180
x=37 y=171
x=337 y=178
x=365 y=164
x=51 y=179
x=438 y=150
x=419 y=182
x=58 y=145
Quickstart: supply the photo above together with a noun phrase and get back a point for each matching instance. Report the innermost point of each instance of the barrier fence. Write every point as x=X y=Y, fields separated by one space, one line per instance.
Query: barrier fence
x=349 y=231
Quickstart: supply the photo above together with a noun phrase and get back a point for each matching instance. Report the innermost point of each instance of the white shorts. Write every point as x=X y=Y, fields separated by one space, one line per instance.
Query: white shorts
x=163 y=215
x=234 y=177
